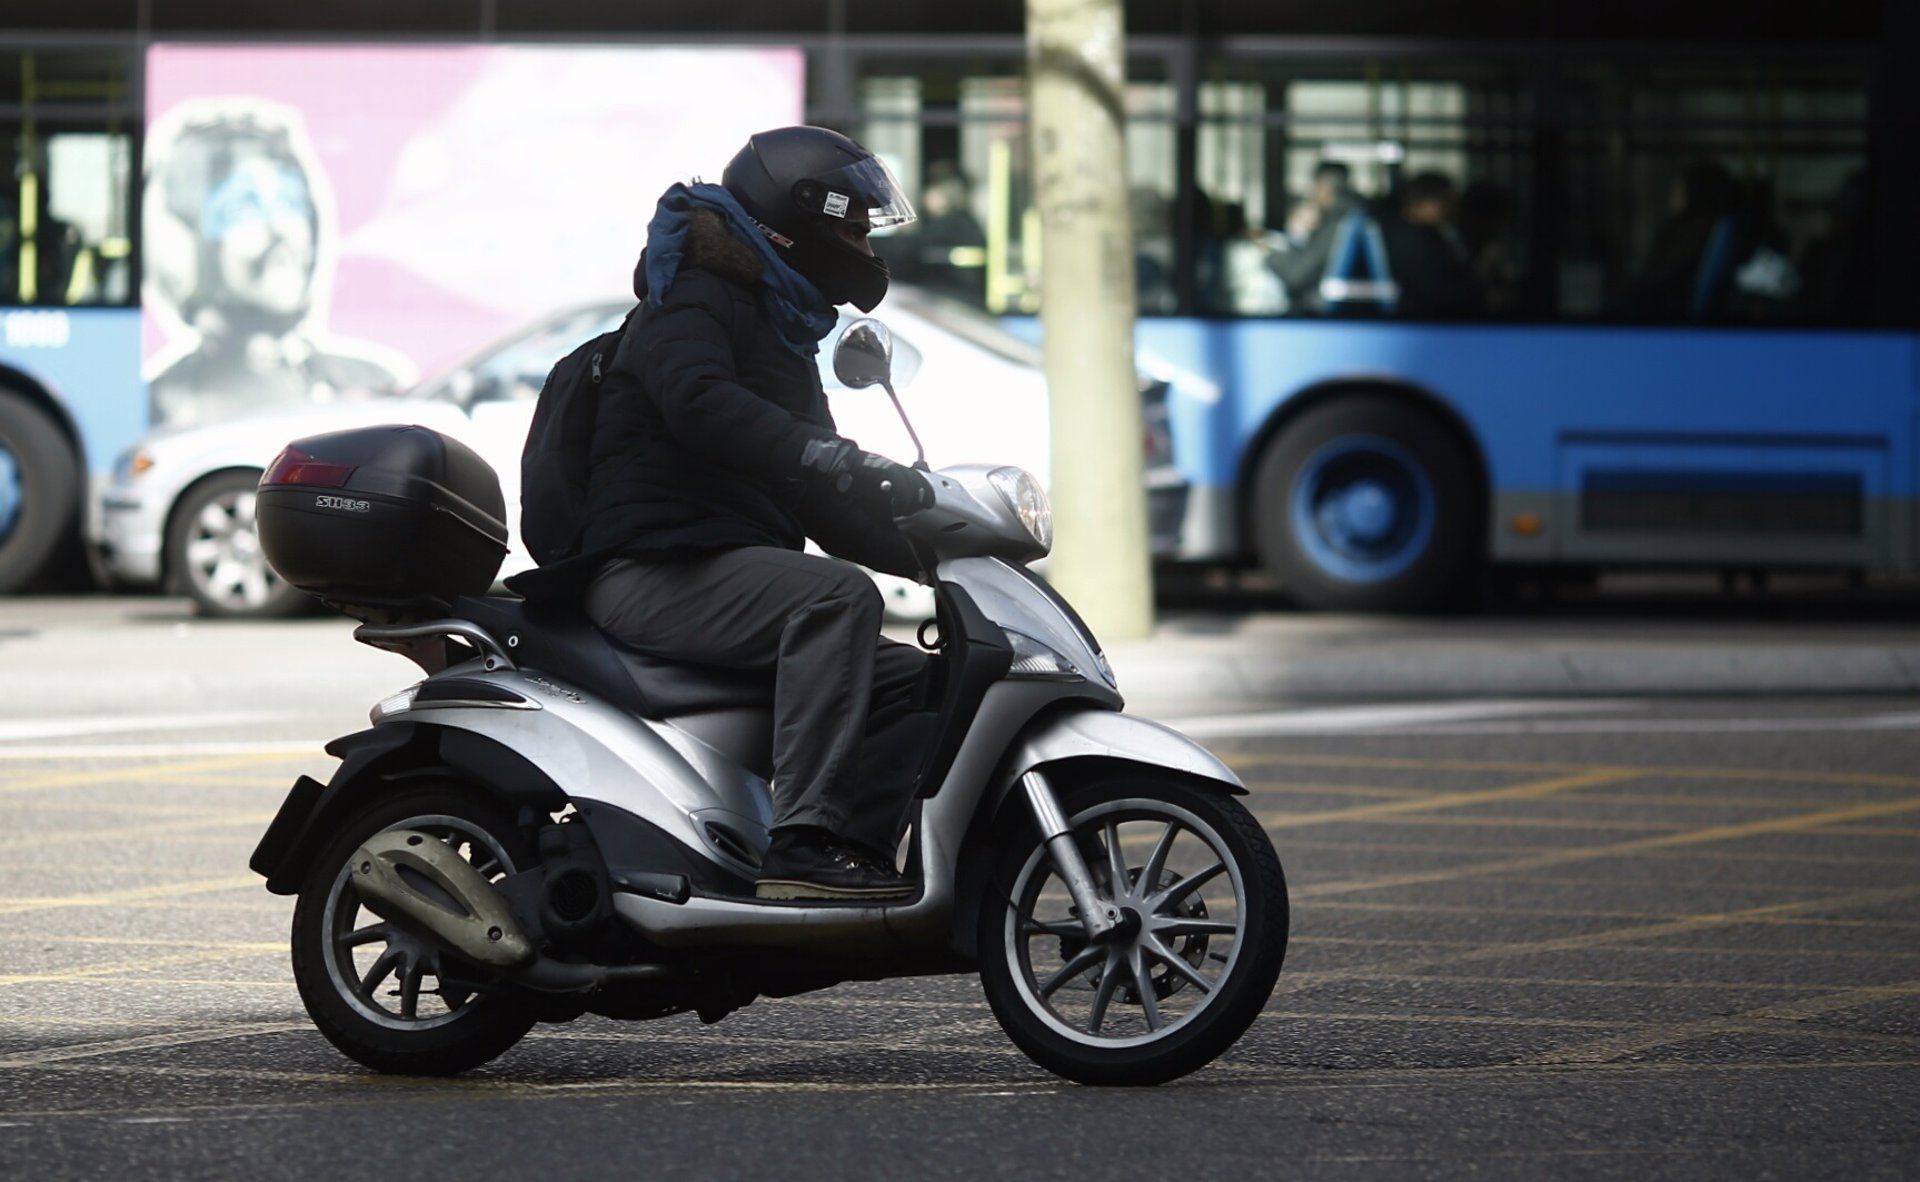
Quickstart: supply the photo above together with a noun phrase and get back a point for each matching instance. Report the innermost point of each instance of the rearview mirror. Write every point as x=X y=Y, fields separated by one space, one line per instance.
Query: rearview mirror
x=864 y=356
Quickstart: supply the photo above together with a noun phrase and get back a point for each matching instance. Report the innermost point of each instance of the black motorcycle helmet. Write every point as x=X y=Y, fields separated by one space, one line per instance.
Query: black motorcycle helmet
x=816 y=193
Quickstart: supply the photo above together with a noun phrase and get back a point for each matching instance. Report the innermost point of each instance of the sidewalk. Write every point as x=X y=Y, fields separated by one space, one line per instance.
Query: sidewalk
x=1226 y=660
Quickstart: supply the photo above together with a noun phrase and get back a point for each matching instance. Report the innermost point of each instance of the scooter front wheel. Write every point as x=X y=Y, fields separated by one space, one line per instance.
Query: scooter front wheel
x=1203 y=933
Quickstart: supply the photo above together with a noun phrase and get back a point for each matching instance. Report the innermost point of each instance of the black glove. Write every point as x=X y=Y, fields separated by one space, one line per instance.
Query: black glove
x=847 y=469
x=900 y=488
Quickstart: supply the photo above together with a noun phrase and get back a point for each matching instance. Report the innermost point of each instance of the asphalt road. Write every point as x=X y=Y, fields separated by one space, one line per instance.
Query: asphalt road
x=1571 y=937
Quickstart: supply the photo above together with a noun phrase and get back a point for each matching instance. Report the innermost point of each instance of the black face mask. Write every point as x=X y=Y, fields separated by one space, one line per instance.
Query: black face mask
x=843 y=274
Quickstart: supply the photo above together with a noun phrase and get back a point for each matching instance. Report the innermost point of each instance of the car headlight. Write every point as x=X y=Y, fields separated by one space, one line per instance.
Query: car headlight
x=1028 y=501
x=132 y=462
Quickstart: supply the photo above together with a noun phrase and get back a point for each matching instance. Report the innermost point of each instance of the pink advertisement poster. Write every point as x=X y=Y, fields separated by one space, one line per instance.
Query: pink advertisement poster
x=328 y=222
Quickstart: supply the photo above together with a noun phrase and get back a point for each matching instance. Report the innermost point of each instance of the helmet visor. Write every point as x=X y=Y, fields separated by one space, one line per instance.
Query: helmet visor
x=865 y=186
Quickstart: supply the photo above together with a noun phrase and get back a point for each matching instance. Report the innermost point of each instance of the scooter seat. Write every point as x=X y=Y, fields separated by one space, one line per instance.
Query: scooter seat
x=561 y=641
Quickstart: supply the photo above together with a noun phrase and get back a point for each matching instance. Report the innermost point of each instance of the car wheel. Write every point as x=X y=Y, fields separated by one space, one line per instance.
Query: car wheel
x=1368 y=504
x=214 y=555
x=39 y=490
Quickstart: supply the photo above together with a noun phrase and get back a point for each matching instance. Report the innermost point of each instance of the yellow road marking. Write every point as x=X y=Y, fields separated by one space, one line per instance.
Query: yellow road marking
x=1527 y=791
x=162 y=891
x=163 y=942
x=1622 y=937
x=134 y=774
x=145 y=1042
x=1608 y=1050
x=145 y=829
x=1868 y=779
x=1798 y=822
x=1478 y=909
x=91 y=972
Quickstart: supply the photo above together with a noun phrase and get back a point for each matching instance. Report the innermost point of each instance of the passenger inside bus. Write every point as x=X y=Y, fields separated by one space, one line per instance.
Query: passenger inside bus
x=1313 y=228
x=1427 y=255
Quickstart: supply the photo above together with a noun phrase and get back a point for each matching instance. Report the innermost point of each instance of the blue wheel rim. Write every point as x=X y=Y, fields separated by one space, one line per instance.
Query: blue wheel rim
x=1362 y=509
x=12 y=493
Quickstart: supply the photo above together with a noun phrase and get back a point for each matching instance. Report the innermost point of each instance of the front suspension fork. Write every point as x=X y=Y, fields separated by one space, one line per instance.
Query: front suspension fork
x=1099 y=916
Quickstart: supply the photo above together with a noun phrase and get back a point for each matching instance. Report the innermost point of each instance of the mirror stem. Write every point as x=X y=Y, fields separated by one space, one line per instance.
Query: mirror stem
x=920 y=461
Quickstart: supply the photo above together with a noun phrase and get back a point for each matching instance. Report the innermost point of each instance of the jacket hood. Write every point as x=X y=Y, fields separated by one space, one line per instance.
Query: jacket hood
x=710 y=246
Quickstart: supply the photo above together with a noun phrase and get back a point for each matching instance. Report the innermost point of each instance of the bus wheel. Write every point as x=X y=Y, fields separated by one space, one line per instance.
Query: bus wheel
x=1367 y=504
x=39 y=490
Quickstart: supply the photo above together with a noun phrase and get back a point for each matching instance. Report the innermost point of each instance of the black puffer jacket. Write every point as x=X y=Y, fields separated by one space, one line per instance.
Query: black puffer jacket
x=702 y=421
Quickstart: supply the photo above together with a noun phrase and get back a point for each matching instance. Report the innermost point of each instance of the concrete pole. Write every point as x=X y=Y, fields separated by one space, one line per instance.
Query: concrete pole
x=1076 y=56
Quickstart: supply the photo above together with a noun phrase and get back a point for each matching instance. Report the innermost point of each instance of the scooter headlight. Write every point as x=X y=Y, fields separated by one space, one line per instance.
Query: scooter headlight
x=1028 y=500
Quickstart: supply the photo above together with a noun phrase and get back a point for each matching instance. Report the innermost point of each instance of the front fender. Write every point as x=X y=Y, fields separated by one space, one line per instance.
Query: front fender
x=1089 y=732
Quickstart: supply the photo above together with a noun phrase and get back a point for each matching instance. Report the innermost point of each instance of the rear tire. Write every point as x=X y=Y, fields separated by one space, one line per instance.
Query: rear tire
x=1084 y=1028
x=1368 y=503
x=39 y=491
x=358 y=1022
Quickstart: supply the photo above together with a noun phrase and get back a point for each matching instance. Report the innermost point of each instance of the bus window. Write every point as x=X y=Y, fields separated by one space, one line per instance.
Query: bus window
x=1720 y=192
x=1376 y=188
x=954 y=128
x=65 y=180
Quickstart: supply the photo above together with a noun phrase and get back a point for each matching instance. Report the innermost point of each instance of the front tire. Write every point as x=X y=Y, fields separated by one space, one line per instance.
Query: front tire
x=1207 y=907
x=365 y=981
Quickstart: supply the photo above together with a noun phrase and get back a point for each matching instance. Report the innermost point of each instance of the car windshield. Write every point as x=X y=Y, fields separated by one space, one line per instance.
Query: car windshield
x=516 y=369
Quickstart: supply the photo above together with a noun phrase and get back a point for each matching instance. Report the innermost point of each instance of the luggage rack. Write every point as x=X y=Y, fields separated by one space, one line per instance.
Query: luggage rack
x=427 y=644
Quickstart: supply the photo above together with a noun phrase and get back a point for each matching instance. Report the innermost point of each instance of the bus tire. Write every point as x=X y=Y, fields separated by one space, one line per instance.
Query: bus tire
x=1368 y=503
x=39 y=490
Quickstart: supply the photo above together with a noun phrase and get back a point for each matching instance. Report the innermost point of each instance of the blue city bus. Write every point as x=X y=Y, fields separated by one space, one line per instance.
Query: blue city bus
x=1627 y=287
x=1433 y=291
x=71 y=397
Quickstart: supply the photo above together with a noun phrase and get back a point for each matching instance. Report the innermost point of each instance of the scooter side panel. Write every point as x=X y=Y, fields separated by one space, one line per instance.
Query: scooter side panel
x=595 y=751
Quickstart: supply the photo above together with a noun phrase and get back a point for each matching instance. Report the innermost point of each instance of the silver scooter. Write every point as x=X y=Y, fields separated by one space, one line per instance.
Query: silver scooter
x=550 y=825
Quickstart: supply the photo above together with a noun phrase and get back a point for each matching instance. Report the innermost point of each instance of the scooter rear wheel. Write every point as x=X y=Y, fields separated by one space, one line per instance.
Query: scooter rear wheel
x=1197 y=956
x=386 y=996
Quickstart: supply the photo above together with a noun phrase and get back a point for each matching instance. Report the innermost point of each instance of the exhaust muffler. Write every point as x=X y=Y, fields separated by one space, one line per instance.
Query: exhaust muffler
x=406 y=875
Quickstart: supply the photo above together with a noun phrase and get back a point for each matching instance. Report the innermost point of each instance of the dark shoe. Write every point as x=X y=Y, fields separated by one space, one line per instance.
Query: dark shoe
x=813 y=864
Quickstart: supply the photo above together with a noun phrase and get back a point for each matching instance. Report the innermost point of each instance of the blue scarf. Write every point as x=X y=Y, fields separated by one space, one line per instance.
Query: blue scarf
x=800 y=314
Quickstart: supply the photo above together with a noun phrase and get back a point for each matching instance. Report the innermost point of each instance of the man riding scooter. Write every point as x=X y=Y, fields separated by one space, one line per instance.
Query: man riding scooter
x=715 y=458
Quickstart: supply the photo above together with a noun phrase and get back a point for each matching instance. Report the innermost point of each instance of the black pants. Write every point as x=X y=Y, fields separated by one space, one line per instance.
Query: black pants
x=846 y=736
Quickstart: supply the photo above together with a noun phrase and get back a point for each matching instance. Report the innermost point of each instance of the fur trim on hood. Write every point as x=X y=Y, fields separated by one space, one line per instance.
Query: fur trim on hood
x=711 y=246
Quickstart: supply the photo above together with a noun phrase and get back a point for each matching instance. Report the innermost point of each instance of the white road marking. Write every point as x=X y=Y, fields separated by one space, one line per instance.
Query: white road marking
x=1385 y=716
x=1904 y=720
x=108 y=724
x=291 y=748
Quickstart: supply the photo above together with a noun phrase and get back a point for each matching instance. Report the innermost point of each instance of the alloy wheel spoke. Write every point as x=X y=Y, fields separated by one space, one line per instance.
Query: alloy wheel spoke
x=1178 y=964
x=382 y=968
x=1185 y=926
x=410 y=989
x=1177 y=893
x=1083 y=960
x=366 y=935
x=1157 y=860
x=1063 y=928
x=1103 y=995
x=1143 y=982
x=1116 y=862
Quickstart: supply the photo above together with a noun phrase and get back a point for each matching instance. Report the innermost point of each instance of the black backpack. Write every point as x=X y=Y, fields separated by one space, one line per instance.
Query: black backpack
x=553 y=464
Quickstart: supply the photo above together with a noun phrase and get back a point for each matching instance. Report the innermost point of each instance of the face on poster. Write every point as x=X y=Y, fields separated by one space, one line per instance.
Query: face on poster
x=328 y=222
